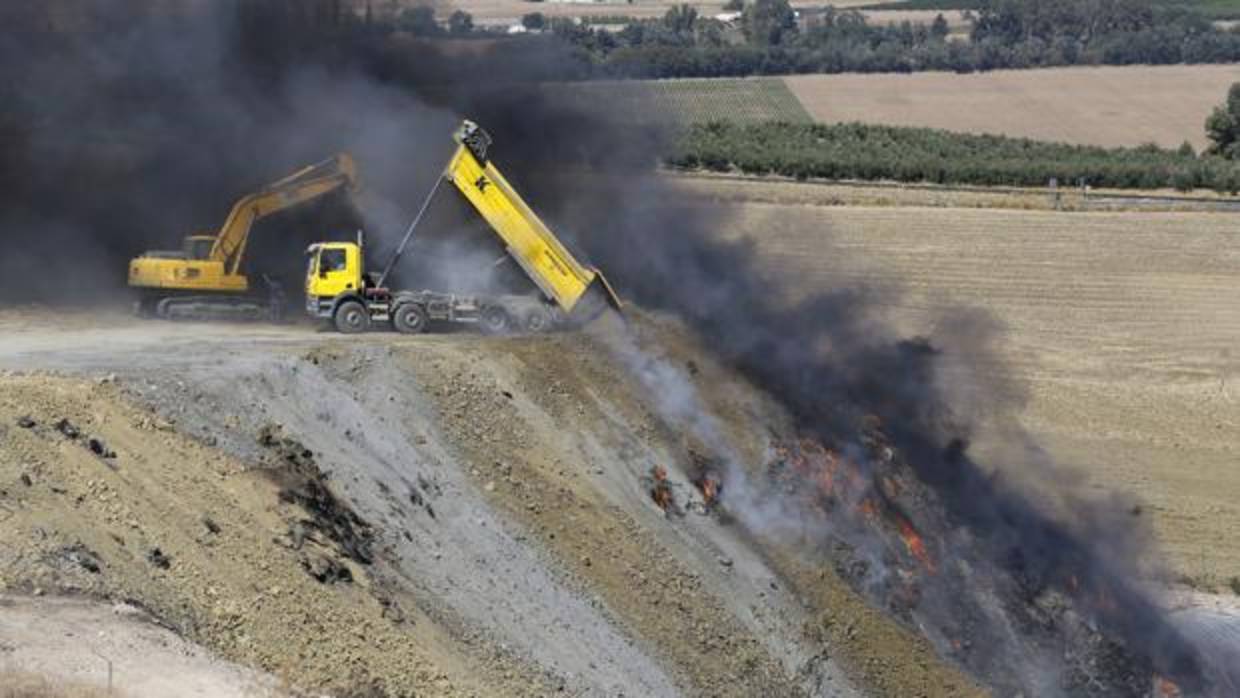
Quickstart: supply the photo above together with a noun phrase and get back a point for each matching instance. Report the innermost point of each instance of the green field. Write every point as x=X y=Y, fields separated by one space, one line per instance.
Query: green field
x=690 y=101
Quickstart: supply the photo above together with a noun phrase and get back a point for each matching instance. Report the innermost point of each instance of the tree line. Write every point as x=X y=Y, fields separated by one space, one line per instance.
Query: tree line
x=769 y=37
x=765 y=37
x=869 y=152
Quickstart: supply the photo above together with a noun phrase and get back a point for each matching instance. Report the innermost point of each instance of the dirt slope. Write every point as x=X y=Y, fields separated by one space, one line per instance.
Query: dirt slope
x=441 y=515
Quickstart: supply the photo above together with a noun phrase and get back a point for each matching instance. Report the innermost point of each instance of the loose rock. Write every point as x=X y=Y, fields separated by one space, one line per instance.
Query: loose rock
x=64 y=426
x=99 y=447
x=158 y=558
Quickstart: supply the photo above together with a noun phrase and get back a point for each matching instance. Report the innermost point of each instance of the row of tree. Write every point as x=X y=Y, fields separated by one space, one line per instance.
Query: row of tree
x=868 y=152
x=770 y=38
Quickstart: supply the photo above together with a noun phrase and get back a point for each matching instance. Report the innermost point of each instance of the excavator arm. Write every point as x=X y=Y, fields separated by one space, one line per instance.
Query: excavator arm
x=205 y=279
x=528 y=240
x=303 y=185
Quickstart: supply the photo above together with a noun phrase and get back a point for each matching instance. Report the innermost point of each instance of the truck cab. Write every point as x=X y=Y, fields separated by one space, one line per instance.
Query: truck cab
x=334 y=268
x=333 y=275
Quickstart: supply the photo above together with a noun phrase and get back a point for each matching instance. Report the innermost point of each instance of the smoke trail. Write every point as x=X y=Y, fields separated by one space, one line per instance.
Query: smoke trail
x=119 y=134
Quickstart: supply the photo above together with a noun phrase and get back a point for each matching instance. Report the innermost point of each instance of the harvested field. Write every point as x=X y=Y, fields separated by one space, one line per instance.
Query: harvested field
x=1119 y=330
x=729 y=188
x=1112 y=106
x=686 y=101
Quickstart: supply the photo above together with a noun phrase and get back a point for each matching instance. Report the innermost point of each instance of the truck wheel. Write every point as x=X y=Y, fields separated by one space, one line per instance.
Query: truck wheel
x=410 y=318
x=495 y=320
x=352 y=318
x=537 y=320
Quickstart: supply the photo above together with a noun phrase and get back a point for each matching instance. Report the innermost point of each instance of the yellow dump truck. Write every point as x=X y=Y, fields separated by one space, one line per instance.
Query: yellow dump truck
x=205 y=278
x=339 y=289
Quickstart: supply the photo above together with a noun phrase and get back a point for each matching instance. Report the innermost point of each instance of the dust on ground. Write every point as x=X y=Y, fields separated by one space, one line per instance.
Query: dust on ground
x=81 y=648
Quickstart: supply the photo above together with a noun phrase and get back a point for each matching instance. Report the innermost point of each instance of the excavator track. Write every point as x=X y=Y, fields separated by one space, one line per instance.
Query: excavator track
x=211 y=307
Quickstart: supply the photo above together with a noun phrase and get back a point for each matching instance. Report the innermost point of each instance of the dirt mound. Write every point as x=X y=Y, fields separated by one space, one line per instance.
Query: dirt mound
x=194 y=535
x=438 y=515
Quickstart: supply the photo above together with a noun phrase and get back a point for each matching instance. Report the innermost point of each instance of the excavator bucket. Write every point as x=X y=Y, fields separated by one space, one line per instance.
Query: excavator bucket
x=534 y=247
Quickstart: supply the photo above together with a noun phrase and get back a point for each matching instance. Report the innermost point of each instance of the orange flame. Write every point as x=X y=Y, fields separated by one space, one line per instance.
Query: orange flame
x=916 y=546
x=709 y=485
x=1165 y=688
x=835 y=478
x=660 y=491
x=869 y=508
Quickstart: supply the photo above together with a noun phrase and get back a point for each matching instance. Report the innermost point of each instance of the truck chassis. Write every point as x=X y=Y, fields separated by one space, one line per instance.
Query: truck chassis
x=412 y=312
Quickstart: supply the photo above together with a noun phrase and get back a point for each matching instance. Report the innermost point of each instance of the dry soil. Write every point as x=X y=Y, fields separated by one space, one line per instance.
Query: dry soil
x=1111 y=105
x=444 y=515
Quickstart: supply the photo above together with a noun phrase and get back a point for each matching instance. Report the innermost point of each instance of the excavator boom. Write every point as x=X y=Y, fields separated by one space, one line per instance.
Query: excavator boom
x=303 y=185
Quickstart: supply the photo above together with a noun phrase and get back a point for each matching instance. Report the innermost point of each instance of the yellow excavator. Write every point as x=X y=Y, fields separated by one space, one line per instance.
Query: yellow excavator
x=339 y=289
x=205 y=279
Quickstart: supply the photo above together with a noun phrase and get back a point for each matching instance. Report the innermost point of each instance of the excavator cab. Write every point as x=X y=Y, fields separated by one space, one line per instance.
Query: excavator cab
x=199 y=246
x=193 y=248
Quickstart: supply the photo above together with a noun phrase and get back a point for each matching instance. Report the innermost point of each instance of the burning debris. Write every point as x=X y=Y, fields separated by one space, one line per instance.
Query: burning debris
x=700 y=495
x=1164 y=688
x=661 y=490
x=833 y=488
x=707 y=479
x=865 y=509
x=711 y=487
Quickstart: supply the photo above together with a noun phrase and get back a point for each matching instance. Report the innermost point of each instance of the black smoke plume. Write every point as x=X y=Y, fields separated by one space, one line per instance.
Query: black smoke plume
x=129 y=125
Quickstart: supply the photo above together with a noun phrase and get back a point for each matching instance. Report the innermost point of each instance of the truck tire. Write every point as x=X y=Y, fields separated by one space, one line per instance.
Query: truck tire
x=537 y=320
x=351 y=318
x=495 y=320
x=410 y=318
